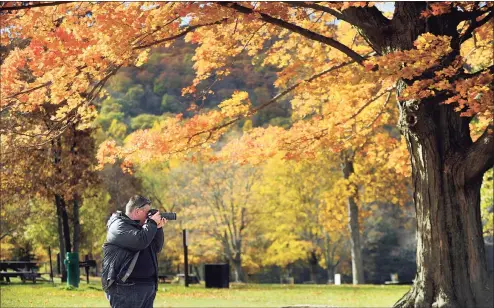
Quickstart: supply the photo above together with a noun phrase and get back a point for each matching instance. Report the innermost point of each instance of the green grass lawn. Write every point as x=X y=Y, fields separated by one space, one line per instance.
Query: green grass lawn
x=239 y=295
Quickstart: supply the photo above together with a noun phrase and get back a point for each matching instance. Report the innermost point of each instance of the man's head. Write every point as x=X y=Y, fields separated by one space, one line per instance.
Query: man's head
x=137 y=208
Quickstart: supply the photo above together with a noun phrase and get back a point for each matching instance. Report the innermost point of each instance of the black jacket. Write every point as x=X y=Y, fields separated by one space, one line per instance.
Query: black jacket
x=126 y=237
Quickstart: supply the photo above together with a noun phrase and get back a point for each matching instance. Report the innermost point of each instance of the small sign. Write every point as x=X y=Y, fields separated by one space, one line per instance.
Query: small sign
x=337 y=279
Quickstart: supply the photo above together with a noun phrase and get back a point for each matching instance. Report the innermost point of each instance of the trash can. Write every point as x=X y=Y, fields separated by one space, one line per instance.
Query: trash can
x=72 y=264
x=217 y=275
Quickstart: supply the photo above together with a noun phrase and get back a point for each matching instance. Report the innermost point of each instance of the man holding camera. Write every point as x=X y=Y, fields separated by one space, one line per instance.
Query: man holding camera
x=130 y=263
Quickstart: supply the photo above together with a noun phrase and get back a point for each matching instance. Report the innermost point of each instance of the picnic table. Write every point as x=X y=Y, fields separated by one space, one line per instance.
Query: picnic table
x=26 y=270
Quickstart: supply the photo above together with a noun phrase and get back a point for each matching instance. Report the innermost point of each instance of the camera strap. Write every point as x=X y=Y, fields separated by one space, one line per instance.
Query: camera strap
x=131 y=267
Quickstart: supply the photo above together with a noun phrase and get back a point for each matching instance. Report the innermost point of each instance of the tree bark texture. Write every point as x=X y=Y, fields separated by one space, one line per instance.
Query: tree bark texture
x=451 y=262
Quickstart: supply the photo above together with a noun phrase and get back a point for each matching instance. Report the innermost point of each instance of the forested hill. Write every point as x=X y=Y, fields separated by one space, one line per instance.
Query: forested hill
x=138 y=96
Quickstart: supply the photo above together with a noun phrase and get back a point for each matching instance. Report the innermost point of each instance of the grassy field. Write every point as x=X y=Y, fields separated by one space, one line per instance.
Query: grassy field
x=239 y=295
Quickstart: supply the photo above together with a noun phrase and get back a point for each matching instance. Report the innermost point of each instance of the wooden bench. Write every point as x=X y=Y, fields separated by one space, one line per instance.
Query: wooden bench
x=25 y=270
x=32 y=276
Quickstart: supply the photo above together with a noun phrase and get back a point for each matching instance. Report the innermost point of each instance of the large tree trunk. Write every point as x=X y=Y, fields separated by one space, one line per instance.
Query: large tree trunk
x=451 y=263
x=353 y=225
x=447 y=169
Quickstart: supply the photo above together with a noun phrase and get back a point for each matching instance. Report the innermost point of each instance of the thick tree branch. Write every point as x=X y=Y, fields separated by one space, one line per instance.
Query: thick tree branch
x=373 y=25
x=316 y=7
x=480 y=156
x=476 y=24
x=367 y=17
x=408 y=10
x=35 y=4
x=296 y=29
x=183 y=33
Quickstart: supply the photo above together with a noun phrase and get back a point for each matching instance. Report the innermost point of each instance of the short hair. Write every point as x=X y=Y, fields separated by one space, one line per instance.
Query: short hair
x=136 y=202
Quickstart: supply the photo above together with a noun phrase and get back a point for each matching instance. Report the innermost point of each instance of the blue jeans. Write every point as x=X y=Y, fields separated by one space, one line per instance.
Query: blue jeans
x=131 y=295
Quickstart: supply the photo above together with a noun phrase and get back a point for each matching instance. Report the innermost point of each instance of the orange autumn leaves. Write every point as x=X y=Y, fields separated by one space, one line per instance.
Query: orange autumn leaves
x=72 y=51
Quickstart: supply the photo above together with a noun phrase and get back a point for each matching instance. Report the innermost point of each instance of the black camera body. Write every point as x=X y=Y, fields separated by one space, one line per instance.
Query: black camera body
x=166 y=215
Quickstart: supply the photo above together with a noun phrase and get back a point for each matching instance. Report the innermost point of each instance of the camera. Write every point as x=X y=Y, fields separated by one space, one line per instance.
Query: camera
x=166 y=215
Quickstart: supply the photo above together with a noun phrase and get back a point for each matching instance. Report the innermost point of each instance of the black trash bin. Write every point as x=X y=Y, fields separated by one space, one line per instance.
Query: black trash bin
x=217 y=275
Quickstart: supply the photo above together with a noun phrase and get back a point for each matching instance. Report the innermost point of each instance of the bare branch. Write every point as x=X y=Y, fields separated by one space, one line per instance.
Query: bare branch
x=297 y=29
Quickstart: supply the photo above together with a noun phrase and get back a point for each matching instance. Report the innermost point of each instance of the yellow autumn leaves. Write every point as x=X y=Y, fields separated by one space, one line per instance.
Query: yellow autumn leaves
x=236 y=106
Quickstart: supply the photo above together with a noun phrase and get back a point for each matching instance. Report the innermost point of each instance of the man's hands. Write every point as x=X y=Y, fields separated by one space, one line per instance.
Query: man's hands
x=158 y=220
x=162 y=222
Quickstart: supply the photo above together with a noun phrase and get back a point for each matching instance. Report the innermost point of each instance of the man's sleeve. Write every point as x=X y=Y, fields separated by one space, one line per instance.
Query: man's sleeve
x=158 y=240
x=131 y=238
